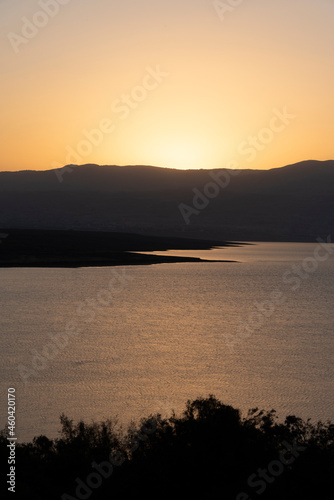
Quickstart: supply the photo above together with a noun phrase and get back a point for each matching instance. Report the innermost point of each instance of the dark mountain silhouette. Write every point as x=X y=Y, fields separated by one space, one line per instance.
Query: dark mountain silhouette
x=292 y=203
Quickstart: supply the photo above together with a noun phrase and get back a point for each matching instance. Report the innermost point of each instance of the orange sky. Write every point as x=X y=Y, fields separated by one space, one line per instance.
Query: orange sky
x=174 y=83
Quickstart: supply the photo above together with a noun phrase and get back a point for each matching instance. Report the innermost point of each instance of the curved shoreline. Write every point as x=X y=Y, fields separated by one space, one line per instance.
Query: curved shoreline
x=136 y=260
x=73 y=249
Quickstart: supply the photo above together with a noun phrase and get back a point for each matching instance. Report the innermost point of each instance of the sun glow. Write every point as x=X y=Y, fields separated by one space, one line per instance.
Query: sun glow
x=183 y=154
x=210 y=86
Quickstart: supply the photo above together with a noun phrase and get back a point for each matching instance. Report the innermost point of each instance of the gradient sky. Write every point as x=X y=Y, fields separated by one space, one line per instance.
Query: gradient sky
x=226 y=75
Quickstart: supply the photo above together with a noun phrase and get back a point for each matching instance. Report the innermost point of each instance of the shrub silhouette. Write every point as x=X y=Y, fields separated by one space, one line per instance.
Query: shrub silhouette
x=209 y=450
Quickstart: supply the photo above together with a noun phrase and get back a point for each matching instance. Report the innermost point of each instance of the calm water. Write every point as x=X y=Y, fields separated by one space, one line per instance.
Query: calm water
x=170 y=332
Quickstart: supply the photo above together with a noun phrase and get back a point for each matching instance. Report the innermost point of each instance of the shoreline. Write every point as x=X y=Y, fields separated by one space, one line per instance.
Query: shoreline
x=77 y=249
x=151 y=260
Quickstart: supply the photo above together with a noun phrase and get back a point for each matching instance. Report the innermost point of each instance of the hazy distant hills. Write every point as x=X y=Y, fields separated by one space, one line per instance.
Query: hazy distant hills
x=292 y=203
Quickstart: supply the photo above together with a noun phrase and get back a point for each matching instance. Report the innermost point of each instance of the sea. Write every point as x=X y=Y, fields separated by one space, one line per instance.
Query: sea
x=123 y=343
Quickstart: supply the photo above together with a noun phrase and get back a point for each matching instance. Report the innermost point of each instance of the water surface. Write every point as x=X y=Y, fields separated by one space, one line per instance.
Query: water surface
x=171 y=332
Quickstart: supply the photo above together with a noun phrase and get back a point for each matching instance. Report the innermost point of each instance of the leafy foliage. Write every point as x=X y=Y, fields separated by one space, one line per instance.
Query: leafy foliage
x=208 y=450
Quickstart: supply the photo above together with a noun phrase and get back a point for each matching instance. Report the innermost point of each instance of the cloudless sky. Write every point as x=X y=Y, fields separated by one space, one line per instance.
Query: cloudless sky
x=223 y=73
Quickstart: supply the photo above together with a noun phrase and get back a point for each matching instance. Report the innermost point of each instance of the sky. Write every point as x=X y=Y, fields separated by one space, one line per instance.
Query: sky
x=172 y=83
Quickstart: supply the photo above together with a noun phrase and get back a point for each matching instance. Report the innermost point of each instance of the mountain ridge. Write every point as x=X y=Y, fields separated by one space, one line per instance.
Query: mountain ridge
x=289 y=203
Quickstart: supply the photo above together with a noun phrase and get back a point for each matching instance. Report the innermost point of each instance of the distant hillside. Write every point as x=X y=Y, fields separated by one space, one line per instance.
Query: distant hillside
x=292 y=203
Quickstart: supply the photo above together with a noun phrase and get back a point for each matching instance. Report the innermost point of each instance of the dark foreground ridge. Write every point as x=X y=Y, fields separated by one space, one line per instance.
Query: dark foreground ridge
x=44 y=248
x=207 y=452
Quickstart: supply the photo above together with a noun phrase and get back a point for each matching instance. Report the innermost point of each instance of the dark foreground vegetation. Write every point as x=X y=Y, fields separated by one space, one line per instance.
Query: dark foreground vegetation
x=207 y=452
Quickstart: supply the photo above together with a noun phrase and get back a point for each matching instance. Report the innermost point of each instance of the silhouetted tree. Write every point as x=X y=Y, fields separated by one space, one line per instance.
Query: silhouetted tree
x=207 y=451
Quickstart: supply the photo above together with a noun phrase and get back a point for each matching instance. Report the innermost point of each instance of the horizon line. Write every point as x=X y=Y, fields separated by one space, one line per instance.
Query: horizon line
x=163 y=167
